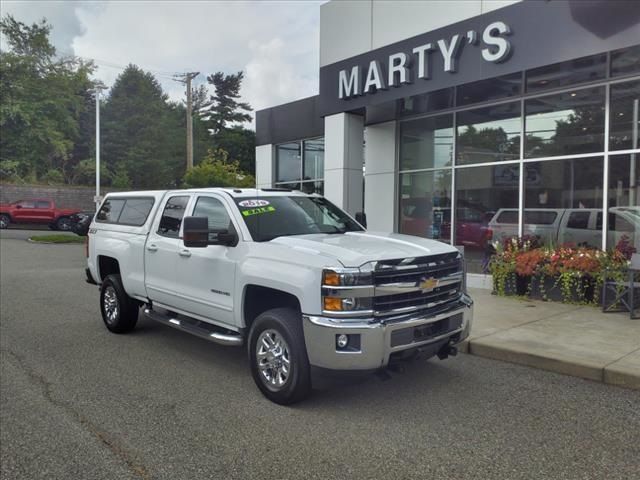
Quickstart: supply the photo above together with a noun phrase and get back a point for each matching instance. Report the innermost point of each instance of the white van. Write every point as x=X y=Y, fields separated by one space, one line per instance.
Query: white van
x=581 y=226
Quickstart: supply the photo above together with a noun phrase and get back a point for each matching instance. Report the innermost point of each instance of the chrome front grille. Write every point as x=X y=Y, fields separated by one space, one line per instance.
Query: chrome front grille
x=420 y=284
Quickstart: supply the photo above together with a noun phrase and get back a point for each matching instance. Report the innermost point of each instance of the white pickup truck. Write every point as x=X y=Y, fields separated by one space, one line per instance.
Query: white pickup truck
x=290 y=275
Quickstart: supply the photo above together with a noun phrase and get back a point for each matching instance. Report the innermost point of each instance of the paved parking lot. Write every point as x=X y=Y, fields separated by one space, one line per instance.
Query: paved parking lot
x=79 y=402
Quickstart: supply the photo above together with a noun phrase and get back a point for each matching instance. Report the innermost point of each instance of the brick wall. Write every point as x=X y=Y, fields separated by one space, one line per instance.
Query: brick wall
x=64 y=196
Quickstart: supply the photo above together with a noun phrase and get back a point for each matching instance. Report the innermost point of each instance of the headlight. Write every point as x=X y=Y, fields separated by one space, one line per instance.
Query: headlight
x=347 y=292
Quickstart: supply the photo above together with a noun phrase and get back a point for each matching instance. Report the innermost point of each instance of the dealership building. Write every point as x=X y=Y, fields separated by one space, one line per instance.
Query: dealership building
x=468 y=120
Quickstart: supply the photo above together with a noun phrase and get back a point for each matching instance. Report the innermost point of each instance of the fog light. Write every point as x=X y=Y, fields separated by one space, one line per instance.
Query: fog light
x=342 y=340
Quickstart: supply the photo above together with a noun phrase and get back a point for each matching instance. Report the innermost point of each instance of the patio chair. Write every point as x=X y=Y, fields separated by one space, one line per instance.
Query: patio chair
x=625 y=297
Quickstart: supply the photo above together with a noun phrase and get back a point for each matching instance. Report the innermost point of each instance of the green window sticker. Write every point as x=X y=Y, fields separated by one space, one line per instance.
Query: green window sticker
x=258 y=211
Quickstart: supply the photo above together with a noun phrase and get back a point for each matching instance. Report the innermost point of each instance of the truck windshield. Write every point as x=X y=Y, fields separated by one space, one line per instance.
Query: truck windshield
x=271 y=217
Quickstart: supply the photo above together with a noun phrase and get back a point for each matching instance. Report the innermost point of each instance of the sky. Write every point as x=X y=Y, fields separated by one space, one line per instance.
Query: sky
x=275 y=43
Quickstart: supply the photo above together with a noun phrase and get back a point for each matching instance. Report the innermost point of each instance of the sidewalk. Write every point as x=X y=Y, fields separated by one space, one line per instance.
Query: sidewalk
x=569 y=339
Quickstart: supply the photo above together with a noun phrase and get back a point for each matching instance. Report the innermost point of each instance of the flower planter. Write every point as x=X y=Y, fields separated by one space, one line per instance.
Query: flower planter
x=546 y=288
x=577 y=289
x=513 y=285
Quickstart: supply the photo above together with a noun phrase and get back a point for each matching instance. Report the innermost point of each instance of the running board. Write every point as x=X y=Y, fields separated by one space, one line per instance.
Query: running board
x=196 y=327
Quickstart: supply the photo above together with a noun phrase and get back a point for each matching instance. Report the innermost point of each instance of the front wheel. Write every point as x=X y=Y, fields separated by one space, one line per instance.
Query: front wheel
x=4 y=221
x=278 y=356
x=63 y=224
x=119 y=310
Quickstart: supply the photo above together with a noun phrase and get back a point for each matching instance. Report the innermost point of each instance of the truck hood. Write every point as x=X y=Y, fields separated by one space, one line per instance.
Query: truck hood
x=354 y=249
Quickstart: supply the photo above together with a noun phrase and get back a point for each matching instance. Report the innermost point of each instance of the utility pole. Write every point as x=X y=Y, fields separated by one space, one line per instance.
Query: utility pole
x=98 y=88
x=186 y=79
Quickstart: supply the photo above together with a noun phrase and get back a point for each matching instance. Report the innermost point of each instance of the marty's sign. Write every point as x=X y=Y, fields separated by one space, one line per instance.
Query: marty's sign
x=396 y=70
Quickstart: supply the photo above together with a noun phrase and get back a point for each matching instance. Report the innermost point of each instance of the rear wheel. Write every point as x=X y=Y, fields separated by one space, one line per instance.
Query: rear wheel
x=119 y=311
x=278 y=356
x=5 y=220
x=64 y=224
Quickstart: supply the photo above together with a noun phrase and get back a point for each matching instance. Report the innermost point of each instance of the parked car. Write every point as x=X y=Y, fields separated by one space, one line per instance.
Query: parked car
x=81 y=221
x=38 y=211
x=290 y=275
x=581 y=226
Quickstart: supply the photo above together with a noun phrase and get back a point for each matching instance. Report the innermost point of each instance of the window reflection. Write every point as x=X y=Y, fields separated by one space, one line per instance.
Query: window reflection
x=313 y=159
x=624 y=114
x=625 y=61
x=426 y=102
x=561 y=202
x=480 y=193
x=566 y=123
x=426 y=143
x=288 y=162
x=490 y=89
x=624 y=200
x=425 y=204
x=490 y=134
x=580 y=70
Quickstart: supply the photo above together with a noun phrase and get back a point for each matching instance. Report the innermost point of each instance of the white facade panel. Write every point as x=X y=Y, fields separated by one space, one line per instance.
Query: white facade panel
x=265 y=161
x=345 y=30
x=380 y=201
x=380 y=148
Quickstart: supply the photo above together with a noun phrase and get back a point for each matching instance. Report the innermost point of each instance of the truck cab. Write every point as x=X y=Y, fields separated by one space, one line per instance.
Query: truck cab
x=298 y=281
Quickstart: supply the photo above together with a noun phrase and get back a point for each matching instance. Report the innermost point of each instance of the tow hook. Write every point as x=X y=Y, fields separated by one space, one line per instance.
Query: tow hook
x=446 y=351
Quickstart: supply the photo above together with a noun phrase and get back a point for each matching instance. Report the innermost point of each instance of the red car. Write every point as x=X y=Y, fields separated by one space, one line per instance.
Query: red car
x=39 y=210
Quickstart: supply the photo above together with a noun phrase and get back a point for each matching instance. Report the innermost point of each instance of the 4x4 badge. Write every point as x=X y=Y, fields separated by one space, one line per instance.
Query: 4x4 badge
x=427 y=284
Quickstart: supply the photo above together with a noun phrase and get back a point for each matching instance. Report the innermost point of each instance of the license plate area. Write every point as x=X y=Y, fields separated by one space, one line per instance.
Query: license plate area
x=422 y=333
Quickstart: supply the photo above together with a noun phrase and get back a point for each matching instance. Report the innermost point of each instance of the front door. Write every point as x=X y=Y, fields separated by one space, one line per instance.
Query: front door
x=207 y=275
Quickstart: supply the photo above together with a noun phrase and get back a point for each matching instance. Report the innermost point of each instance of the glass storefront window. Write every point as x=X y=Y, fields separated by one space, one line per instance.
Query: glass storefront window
x=625 y=61
x=561 y=202
x=425 y=204
x=580 y=70
x=624 y=200
x=565 y=124
x=288 y=162
x=313 y=159
x=490 y=89
x=624 y=115
x=480 y=193
x=488 y=134
x=426 y=143
x=426 y=102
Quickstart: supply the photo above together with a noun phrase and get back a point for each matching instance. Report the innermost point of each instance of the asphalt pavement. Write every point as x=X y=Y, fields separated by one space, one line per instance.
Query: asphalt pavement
x=80 y=402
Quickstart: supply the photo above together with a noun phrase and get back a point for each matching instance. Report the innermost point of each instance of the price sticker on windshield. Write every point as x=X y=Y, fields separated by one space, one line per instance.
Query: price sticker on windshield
x=253 y=203
x=258 y=210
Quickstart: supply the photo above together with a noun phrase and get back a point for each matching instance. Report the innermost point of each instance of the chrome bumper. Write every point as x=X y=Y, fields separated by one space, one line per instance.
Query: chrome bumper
x=375 y=337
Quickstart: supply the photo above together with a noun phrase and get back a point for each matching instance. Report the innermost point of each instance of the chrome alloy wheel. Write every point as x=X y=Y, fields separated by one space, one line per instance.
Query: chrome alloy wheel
x=274 y=360
x=110 y=304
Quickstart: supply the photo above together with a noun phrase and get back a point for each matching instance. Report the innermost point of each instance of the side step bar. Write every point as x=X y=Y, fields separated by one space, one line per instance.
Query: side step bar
x=196 y=327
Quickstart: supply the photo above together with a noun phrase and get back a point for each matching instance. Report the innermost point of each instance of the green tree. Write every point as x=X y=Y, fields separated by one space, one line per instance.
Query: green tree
x=42 y=98
x=240 y=143
x=216 y=170
x=224 y=108
x=143 y=133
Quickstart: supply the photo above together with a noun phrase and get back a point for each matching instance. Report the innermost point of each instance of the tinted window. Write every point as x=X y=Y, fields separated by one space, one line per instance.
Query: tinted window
x=216 y=213
x=578 y=220
x=485 y=90
x=288 y=162
x=509 y=216
x=581 y=70
x=426 y=102
x=426 y=142
x=313 y=159
x=539 y=218
x=27 y=204
x=172 y=216
x=135 y=211
x=566 y=123
x=625 y=61
x=490 y=134
x=625 y=100
x=43 y=204
x=110 y=210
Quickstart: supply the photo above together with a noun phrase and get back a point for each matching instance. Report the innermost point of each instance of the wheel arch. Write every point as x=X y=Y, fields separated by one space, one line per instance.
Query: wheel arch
x=257 y=299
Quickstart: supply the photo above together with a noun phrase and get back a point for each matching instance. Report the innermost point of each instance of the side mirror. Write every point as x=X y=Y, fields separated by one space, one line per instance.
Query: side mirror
x=18 y=206
x=196 y=232
x=361 y=218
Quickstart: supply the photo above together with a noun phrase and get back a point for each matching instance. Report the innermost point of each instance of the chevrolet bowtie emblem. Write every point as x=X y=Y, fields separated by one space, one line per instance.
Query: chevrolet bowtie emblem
x=427 y=284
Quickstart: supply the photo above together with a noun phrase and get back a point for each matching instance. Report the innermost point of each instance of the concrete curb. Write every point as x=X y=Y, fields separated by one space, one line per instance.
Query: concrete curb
x=52 y=243
x=617 y=373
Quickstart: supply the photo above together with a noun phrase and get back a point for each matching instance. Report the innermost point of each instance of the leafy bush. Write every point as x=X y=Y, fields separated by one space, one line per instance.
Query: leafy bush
x=217 y=171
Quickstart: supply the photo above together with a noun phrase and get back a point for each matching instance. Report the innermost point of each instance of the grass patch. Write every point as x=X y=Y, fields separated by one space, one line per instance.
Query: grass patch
x=57 y=238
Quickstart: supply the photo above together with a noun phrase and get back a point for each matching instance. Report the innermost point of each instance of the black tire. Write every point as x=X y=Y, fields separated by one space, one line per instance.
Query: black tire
x=63 y=224
x=119 y=310
x=286 y=323
x=5 y=220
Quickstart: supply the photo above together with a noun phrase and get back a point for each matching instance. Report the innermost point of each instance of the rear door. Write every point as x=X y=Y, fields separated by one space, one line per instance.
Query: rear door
x=43 y=211
x=579 y=227
x=206 y=276
x=162 y=253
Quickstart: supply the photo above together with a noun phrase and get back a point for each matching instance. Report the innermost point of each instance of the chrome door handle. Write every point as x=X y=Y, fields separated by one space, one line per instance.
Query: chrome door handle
x=152 y=248
x=184 y=253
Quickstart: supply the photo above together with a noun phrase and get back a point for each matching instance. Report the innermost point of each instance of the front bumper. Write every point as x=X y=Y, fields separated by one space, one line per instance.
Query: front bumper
x=377 y=343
